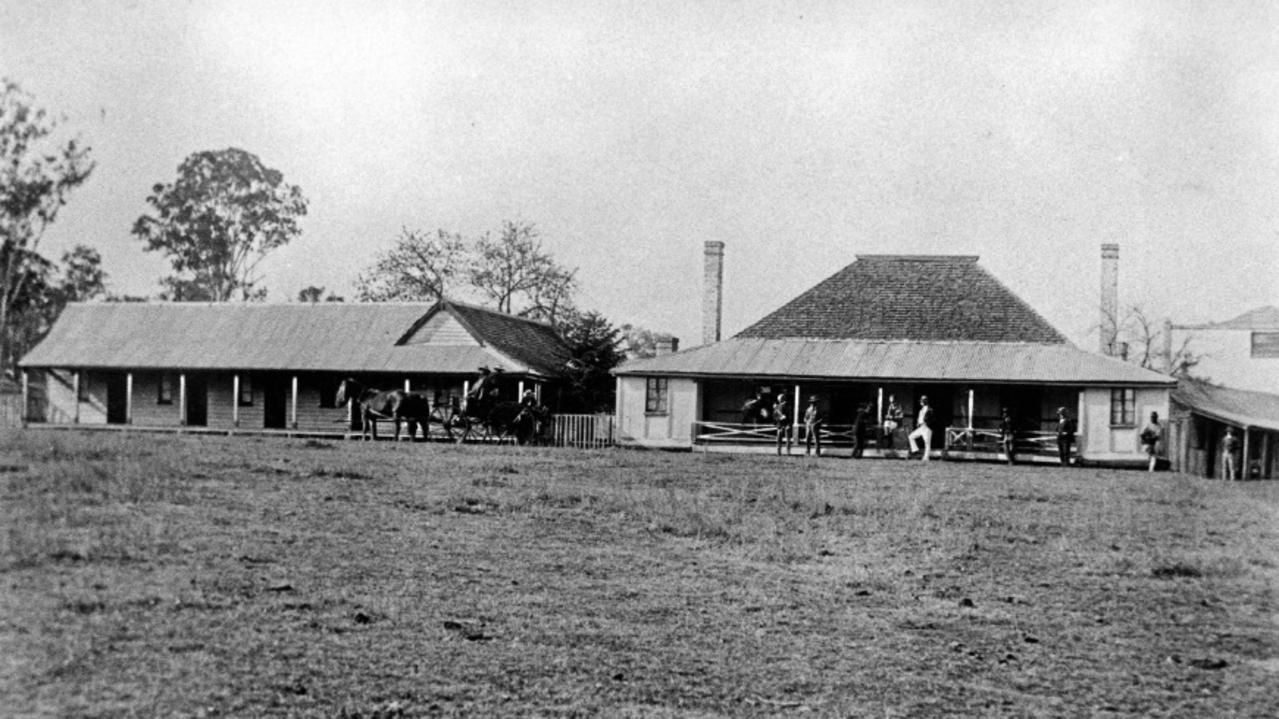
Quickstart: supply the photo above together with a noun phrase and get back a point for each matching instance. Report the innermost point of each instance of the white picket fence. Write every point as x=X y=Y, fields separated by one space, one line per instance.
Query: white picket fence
x=582 y=430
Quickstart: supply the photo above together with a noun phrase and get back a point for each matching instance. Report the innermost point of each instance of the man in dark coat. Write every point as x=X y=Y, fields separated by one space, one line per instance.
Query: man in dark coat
x=1065 y=435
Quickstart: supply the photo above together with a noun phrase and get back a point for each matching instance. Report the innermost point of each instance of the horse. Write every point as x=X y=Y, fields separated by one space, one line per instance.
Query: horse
x=395 y=405
x=499 y=419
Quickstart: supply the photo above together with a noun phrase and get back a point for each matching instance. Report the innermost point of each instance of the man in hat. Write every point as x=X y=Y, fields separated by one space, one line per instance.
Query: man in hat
x=860 y=424
x=1065 y=435
x=1008 y=436
x=812 y=427
x=782 y=417
x=922 y=430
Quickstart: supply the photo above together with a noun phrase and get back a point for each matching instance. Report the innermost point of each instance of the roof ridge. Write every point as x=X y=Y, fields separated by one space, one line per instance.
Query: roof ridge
x=921 y=258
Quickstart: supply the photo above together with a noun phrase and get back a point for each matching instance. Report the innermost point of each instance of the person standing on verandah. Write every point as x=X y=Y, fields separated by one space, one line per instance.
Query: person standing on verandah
x=1229 y=453
x=1065 y=436
x=922 y=430
x=893 y=416
x=812 y=427
x=781 y=415
x=860 y=425
x=1008 y=437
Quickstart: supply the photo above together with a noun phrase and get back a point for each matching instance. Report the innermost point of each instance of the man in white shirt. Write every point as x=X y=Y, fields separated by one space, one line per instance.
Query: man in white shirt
x=922 y=429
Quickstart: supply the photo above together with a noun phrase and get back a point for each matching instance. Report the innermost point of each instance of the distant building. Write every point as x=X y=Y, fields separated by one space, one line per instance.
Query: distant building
x=272 y=366
x=906 y=326
x=1242 y=353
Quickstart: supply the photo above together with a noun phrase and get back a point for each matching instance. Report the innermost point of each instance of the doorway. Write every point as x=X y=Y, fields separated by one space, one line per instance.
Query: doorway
x=275 y=403
x=197 y=401
x=117 y=399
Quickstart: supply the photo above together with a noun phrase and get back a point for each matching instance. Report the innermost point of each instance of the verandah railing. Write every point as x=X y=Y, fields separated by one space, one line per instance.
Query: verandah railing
x=959 y=439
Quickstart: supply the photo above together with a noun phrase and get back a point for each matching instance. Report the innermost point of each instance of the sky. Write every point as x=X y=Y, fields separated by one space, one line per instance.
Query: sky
x=799 y=134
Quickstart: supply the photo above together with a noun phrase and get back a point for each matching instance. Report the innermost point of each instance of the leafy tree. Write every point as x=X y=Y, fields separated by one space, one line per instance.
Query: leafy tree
x=516 y=274
x=37 y=172
x=224 y=213
x=315 y=294
x=420 y=267
x=47 y=290
x=594 y=343
x=640 y=343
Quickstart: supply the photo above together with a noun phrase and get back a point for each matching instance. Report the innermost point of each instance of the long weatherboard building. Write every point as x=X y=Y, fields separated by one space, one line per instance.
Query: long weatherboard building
x=900 y=326
x=272 y=367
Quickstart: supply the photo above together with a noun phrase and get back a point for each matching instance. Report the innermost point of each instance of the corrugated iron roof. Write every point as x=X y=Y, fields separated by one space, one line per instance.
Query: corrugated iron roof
x=908 y=297
x=918 y=361
x=329 y=336
x=1235 y=406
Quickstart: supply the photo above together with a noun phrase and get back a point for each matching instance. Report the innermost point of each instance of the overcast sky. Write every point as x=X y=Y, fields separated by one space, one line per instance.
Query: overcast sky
x=799 y=134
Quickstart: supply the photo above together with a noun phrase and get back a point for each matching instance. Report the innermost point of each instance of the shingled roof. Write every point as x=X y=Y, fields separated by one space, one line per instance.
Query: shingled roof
x=327 y=336
x=926 y=298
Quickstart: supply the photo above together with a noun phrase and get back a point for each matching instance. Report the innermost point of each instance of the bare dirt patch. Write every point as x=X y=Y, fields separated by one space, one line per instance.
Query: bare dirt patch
x=171 y=575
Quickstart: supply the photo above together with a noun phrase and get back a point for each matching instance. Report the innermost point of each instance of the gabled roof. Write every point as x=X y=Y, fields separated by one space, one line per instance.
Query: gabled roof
x=533 y=343
x=925 y=298
x=1261 y=318
x=986 y=362
x=328 y=336
x=1234 y=406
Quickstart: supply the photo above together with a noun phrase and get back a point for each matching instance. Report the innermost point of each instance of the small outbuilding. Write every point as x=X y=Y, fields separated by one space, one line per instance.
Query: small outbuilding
x=897 y=327
x=272 y=366
x=1203 y=412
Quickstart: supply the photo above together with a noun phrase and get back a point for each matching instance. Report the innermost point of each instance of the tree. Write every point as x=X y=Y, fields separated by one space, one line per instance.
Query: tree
x=1140 y=341
x=46 y=292
x=225 y=212
x=640 y=343
x=420 y=267
x=594 y=345
x=516 y=274
x=37 y=172
x=315 y=294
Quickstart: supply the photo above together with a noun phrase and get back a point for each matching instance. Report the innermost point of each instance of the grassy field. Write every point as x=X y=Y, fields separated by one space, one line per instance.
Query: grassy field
x=201 y=576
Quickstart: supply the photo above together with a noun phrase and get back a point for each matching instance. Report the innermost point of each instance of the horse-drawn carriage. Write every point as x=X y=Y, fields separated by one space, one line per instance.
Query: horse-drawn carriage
x=481 y=415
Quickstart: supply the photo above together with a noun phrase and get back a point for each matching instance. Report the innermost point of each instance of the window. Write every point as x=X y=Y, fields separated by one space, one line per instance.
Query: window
x=1265 y=345
x=655 y=395
x=246 y=391
x=164 y=392
x=1123 y=407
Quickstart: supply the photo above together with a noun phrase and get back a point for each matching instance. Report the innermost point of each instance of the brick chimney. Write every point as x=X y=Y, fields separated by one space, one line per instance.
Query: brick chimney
x=1109 y=340
x=712 y=292
x=665 y=346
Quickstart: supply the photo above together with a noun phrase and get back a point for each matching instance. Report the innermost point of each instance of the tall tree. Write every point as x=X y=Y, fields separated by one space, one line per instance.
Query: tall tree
x=516 y=274
x=594 y=344
x=46 y=291
x=420 y=267
x=37 y=172
x=224 y=213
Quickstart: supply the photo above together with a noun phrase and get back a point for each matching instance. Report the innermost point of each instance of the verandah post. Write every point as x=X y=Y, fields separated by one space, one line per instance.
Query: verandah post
x=182 y=398
x=235 y=400
x=26 y=398
x=128 y=398
x=1244 y=465
x=76 y=388
x=795 y=415
x=293 y=406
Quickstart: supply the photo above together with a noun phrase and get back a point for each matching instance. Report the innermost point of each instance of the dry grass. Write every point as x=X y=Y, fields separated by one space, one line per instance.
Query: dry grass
x=172 y=575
